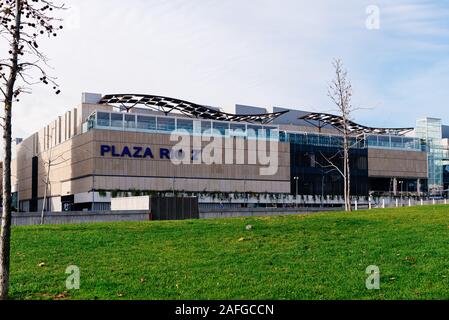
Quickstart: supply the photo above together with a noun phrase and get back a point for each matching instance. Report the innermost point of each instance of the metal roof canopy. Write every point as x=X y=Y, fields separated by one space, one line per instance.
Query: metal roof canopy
x=193 y=110
x=337 y=122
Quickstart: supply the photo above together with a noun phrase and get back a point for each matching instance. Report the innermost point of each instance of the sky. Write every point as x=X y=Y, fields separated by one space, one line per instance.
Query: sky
x=256 y=52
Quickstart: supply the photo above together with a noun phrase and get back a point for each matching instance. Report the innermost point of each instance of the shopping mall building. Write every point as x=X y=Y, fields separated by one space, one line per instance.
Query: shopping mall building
x=114 y=145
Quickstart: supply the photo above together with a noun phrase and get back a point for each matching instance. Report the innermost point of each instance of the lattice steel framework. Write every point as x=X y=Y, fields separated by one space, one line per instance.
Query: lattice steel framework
x=190 y=109
x=320 y=120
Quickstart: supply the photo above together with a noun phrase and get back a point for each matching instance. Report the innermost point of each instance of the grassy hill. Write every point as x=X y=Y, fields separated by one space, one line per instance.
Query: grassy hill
x=320 y=256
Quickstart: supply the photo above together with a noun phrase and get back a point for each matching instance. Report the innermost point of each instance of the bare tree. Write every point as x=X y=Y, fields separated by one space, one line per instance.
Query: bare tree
x=22 y=24
x=340 y=92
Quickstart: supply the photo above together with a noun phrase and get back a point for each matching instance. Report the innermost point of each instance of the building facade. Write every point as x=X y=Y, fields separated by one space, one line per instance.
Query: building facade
x=115 y=144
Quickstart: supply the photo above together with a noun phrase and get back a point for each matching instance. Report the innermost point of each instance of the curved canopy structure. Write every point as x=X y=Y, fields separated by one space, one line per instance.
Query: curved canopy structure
x=190 y=109
x=322 y=119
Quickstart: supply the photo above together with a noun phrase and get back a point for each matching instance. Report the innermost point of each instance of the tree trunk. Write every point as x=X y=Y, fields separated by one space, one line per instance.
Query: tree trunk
x=348 y=181
x=345 y=178
x=5 y=240
x=5 y=235
x=47 y=182
x=346 y=167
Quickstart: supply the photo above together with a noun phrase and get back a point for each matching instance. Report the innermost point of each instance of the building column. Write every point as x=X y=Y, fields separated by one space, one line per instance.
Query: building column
x=395 y=186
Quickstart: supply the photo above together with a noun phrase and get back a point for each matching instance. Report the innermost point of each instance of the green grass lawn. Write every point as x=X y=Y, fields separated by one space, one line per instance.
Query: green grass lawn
x=321 y=256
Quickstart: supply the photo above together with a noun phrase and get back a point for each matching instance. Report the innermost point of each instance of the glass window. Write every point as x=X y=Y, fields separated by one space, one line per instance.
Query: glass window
x=396 y=142
x=362 y=163
x=313 y=139
x=237 y=126
x=283 y=136
x=103 y=119
x=301 y=138
x=384 y=141
x=117 y=120
x=337 y=141
x=130 y=121
x=253 y=131
x=146 y=123
x=186 y=125
x=272 y=133
x=353 y=143
x=222 y=127
x=238 y=130
x=263 y=133
x=206 y=127
x=166 y=124
x=325 y=140
x=372 y=141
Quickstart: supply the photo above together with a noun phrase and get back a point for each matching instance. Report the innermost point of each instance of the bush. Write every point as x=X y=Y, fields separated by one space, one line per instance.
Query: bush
x=102 y=193
x=114 y=193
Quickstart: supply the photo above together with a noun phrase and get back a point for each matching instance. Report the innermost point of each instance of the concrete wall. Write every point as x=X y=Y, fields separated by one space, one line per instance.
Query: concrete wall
x=53 y=218
x=27 y=219
x=383 y=163
x=131 y=203
x=69 y=160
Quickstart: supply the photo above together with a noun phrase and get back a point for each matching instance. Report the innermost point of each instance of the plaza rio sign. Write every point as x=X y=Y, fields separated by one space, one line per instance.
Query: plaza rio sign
x=138 y=152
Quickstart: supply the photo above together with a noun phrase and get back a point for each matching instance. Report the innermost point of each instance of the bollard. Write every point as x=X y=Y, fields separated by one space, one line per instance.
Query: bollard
x=383 y=203
x=422 y=202
x=397 y=203
x=356 y=205
x=409 y=202
x=445 y=201
x=433 y=201
x=370 y=204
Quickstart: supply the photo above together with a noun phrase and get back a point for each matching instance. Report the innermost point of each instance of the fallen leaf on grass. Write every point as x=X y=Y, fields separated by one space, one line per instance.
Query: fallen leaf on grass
x=46 y=296
x=61 y=296
x=42 y=264
x=410 y=260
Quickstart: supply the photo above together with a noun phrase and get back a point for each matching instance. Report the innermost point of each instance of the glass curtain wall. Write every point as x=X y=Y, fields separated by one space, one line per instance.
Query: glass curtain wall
x=431 y=131
x=310 y=164
x=167 y=125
